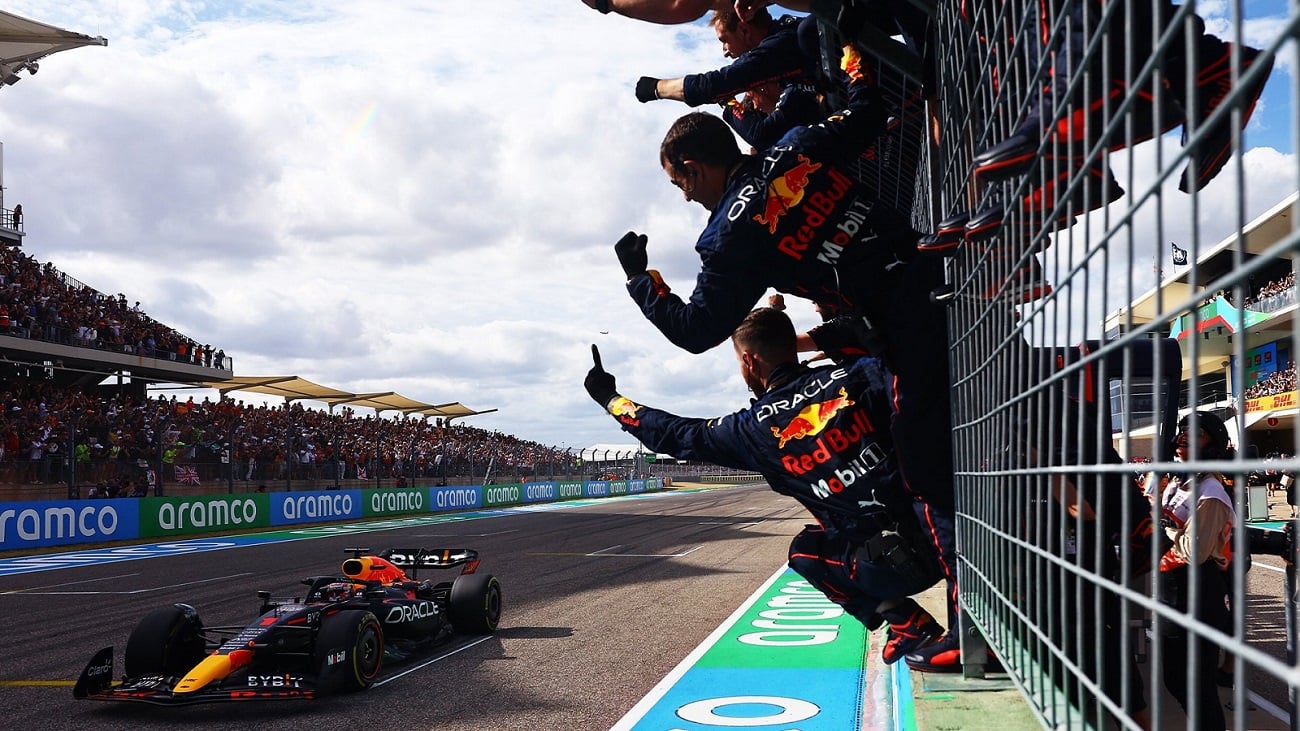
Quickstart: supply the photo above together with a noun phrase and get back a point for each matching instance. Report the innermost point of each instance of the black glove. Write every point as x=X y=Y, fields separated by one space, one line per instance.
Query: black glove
x=647 y=89
x=631 y=253
x=599 y=384
x=853 y=15
x=846 y=336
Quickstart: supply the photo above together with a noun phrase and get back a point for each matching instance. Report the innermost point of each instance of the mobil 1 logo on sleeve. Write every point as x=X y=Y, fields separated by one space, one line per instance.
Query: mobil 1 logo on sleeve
x=789 y=660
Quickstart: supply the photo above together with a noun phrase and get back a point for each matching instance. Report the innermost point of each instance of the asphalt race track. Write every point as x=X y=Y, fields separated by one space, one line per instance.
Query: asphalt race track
x=600 y=603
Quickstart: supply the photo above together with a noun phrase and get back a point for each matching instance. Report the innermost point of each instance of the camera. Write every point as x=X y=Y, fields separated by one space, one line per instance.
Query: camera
x=1272 y=542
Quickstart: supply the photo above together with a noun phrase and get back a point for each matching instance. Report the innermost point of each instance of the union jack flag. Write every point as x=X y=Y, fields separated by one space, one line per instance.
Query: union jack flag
x=187 y=475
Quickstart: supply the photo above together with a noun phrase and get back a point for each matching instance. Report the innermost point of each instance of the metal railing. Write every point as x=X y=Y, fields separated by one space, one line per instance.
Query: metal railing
x=1060 y=554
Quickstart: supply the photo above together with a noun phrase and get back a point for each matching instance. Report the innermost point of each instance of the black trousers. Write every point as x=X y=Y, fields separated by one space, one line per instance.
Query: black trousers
x=1179 y=654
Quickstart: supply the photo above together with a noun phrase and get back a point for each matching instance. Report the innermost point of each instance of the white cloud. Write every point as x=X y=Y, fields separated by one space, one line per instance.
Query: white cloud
x=421 y=199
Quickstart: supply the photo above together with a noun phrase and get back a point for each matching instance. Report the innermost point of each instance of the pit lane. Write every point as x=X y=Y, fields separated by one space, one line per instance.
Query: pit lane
x=601 y=602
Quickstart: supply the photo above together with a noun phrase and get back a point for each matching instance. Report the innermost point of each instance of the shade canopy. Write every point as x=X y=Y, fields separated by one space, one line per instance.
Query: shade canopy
x=294 y=388
x=23 y=42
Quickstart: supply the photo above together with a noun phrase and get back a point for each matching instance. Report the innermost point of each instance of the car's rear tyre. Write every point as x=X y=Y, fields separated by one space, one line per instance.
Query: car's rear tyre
x=475 y=604
x=349 y=651
x=168 y=641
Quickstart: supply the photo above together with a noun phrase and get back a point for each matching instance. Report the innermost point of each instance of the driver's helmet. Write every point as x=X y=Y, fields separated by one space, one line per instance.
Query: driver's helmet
x=337 y=592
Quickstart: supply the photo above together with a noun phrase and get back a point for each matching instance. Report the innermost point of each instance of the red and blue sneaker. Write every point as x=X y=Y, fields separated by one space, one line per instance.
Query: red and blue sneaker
x=949 y=234
x=910 y=629
x=944 y=656
x=1213 y=86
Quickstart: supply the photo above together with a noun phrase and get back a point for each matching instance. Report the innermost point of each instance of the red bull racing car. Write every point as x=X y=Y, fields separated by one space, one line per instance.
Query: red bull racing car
x=335 y=639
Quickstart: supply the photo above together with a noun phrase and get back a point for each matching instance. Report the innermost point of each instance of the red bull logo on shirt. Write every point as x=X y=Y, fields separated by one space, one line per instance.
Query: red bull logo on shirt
x=811 y=419
x=818 y=209
x=625 y=410
x=785 y=192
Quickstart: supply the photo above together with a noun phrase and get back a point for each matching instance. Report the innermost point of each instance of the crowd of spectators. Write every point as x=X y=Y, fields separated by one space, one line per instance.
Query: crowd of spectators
x=1282 y=381
x=127 y=443
x=38 y=301
x=1272 y=289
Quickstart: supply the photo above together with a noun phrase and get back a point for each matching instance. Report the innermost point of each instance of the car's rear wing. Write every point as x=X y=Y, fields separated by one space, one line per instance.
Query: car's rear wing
x=432 y=558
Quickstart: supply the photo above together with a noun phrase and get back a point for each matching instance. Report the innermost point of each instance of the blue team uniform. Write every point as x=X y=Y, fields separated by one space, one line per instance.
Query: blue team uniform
x=793 y=219
x=822 y=437
x=777 y=58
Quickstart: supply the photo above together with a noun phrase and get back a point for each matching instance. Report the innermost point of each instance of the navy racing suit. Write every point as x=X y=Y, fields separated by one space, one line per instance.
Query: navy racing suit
x=793 y=219
x=820 y=436
x=777 y=58
x=797 y=106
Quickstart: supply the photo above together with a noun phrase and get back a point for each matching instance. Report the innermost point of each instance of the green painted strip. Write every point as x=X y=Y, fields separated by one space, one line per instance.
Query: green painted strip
x=792 y=626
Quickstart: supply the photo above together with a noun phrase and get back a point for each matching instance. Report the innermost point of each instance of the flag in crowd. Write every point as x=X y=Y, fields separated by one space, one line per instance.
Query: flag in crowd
x=1180 y=255
x=187 y=475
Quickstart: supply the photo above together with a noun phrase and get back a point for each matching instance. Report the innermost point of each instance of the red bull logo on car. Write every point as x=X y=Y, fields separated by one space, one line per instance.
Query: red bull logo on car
x=785 y=192
x=811 y=419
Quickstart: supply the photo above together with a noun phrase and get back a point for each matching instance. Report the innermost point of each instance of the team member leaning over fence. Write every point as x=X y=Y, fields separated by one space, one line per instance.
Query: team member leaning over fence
x=821 y=436
x=793 y=219
x=673 y=12
x=1201 y=550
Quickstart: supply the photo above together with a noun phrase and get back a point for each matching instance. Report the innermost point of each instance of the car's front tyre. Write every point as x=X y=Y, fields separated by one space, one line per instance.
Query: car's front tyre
x=168 y=641
x=349 y=651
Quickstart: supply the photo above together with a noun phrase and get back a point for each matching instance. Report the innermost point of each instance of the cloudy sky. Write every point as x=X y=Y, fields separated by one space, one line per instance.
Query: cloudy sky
x=421 y=199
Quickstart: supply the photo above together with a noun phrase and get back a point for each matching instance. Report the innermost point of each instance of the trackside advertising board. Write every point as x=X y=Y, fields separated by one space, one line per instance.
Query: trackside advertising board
x=34 y=524
x=289 y=508
x=497 y=495
x=173 y=516
x=789 y=660
x=455 y=497
x=65 y=522
x=381 y=503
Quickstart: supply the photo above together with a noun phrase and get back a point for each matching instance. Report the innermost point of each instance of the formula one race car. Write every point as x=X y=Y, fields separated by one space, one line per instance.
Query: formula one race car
x=333 y=640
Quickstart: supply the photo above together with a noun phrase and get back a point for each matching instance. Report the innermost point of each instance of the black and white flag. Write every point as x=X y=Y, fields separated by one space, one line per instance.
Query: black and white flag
x=1180 y=255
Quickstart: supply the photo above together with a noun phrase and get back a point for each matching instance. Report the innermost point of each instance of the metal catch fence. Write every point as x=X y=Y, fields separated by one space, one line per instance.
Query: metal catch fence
x=1121 y=176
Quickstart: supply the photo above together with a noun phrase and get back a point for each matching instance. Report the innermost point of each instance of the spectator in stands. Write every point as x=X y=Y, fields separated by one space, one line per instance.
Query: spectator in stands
x=1282 y=381
x=1272 y=289
x=136 y=431
x=46 y=304
x=18 y=216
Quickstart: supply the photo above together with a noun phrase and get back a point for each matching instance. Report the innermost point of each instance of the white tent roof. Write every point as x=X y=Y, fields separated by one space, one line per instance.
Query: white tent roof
x=610 y=452
x=24 y=41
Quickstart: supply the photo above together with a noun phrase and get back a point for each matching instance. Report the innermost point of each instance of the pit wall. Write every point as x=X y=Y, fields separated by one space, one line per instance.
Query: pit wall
x=45 y=523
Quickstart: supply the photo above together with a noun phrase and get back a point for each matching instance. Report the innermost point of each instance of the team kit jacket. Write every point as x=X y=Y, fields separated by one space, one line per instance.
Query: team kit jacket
x=776 y=59
x=821 y=436
x=793 y=219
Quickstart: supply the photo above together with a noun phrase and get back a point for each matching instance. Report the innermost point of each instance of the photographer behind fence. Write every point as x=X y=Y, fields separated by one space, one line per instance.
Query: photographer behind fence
x=1198 y=516
x=1076 y=524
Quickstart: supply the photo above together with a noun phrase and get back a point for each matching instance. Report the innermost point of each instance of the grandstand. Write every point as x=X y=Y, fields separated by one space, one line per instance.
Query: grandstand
x=77 y=366
x=1059 y=574
x=1254 y=391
